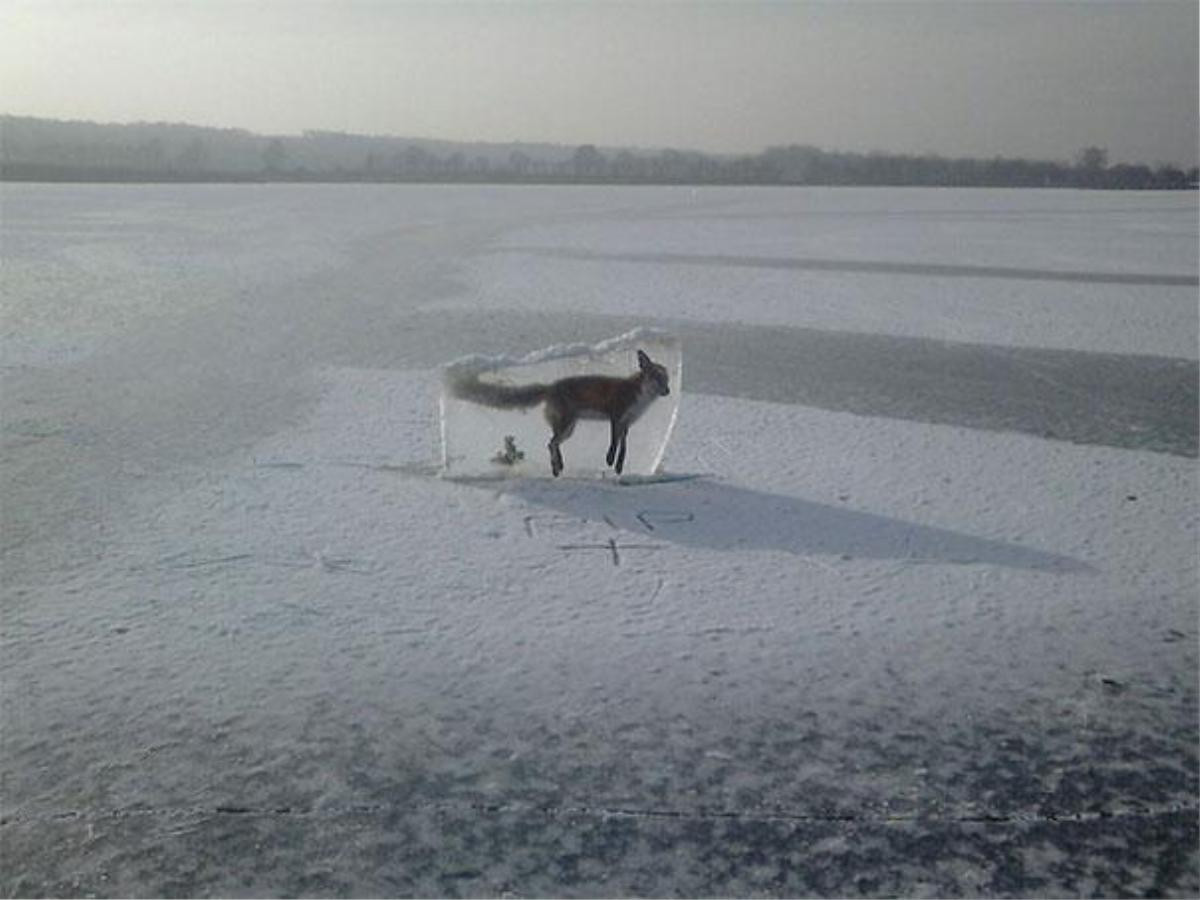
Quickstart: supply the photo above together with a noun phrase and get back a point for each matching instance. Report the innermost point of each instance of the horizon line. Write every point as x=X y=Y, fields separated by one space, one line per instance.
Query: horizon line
x=569 y=145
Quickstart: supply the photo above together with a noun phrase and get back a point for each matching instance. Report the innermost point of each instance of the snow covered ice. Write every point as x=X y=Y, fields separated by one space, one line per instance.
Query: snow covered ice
x=482 y=441
x=917 y=613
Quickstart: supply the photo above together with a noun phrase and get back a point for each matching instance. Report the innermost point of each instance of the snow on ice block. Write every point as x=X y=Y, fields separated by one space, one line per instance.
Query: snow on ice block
x=479 y=440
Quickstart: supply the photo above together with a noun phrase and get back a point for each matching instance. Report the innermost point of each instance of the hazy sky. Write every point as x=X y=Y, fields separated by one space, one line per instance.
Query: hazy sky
x=961 y=77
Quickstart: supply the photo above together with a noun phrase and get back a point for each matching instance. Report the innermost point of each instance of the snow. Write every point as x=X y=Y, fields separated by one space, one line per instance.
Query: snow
x=255 y=643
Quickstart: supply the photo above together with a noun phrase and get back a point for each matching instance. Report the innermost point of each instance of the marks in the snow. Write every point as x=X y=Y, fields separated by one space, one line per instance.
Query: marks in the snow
x=549 y=522
x=582 y=516
x=711 y=514
x=404 y=468
x=559 y=525
x=611 y=546
x=321 y=560
x=650 y=517
x=186 y=561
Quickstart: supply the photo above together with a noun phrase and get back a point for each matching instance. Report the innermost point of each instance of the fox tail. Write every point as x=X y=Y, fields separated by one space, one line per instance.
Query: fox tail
x=466 y=385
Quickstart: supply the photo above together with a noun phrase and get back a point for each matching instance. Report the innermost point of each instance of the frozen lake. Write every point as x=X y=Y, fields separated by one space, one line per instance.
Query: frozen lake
x=923 y=621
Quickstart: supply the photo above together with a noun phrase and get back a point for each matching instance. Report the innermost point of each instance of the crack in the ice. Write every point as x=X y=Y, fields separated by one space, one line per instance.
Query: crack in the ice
x=607 y=812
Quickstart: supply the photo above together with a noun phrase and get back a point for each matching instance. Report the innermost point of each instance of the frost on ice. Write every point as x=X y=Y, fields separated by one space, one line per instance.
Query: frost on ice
x=479 y=440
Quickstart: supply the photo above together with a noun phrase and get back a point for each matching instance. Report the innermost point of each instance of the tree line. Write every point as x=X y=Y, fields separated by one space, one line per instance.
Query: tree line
x=47 y=150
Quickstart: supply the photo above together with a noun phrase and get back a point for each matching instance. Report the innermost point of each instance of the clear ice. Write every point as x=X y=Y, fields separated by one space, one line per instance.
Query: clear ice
x=482 y=441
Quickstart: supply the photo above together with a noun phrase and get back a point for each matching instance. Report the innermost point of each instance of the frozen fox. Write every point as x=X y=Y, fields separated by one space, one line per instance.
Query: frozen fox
x=619 y=400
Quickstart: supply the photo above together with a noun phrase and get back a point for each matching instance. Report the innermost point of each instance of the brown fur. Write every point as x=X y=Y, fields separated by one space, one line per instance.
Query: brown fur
x=619 y=400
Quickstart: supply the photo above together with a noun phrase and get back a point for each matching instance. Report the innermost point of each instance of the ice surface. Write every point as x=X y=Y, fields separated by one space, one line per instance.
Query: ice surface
x=1069 y=270
x=252 y=646
x=482 y=441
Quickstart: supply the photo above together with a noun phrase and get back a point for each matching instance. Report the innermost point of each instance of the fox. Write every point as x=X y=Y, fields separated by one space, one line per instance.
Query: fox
x=619 y=400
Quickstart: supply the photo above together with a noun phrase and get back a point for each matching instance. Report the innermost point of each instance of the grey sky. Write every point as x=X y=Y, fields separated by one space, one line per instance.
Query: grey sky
x=969 y=77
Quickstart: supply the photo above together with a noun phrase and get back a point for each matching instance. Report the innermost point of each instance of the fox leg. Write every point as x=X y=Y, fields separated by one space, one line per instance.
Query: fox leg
x=562 y=426
x=616 y=448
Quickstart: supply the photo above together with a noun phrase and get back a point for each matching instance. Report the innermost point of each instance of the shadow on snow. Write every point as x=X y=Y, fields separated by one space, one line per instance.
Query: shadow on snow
x=701 y=512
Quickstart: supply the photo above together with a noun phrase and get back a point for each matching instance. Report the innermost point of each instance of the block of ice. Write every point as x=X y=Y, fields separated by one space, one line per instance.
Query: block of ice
x=480 y=439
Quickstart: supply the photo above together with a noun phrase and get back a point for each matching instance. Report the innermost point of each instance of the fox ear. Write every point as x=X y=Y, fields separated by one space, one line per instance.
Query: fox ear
x=643 y=360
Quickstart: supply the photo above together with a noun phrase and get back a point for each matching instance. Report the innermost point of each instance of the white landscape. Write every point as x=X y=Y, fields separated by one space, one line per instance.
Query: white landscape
x=869 y=636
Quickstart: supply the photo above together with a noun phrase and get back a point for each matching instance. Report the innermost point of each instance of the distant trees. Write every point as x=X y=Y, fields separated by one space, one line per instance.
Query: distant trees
x=193 y=158
x=1092 y=159
x=808 y=165
x=417 y=161
x=1090 y=166
x=1172 y=177
x=520 y=163
x=42 y=149
x=274 y=157
x=588 y=162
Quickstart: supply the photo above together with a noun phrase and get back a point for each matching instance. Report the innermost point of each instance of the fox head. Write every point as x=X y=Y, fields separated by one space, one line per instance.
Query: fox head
x=655 y=374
